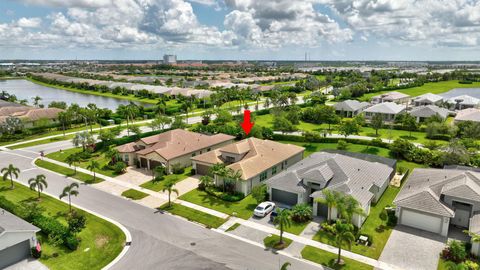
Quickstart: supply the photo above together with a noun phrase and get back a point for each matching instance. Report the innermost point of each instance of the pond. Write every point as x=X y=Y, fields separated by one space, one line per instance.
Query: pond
x=473 y=92
x=24 y=89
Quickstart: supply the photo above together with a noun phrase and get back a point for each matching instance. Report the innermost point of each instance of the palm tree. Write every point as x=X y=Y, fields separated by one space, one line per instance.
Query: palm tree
x=9 y=172
x=232 y=178
x=282 y=219
x=349 y=207
x=158 y=173
x=92 y=167
x=285 y=266
x=187 y=104
x=220 y=170
x=83 y=138
x=39 y=183
x=205 y=181
x=169 y=187
x=343 y=235
x=330 y=199
x=73 y=159
x=68 y=191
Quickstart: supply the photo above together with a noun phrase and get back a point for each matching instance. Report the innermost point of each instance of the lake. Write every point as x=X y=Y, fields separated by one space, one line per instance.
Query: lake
x=24 y=89
x=473 y=92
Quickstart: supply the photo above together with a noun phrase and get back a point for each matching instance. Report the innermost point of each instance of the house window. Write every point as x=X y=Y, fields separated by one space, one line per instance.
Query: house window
x=208 y=150
x=200 y=152
x=274 y=170
x=194 y=154
x=285 y=163
x=263 y=176
x=126 y=158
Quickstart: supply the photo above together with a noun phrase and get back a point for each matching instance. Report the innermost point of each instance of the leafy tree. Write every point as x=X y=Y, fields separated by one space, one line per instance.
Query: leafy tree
x=222 y=117
x=204 y=182
x=160 y=122
x=343 y=235
x=377 y=122
x=259 y=193
x=83 y=138
x=39 y=183
x=328 y=115
x=158 y=173
x=134 y=129
x=58 y=104
x=455 y=153
x=69 y=191
x=349 y=127
x=12 y=124
x=302 y=212
x=76 y=222
x=106 y=136
x=93 y=166
x=169 y=187
x=408 y=122
x=10 y=172
x=73 y=159
x=178 y=122
x=383 y=216
x=36 y=101
x=282 y=220
x=64 y=118
x=283 y=124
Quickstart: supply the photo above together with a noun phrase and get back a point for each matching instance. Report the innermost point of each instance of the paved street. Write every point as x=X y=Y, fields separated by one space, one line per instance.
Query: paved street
x=159 y=241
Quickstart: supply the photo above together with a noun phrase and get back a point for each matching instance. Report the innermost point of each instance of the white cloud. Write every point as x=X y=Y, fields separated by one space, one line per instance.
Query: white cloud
x=29 y=22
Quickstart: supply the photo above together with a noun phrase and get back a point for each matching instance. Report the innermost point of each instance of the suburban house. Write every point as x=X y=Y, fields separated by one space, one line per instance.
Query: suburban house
x=364 y=177
x=257 y=160
x=388 y=110
x=432 y=199
x=421 y=113
x=169 y=148
x=17 y=237
x=350 y=108
x=463 y=102
x=394 y=96
x=470 y=114
x=30 y=116
x=427 y=99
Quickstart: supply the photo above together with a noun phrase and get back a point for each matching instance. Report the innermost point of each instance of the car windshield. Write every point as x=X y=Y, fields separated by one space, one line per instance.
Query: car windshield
x=259 y=208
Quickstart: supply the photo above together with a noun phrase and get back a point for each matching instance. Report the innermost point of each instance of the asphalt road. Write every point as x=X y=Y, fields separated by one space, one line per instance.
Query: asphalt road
x=159 y=241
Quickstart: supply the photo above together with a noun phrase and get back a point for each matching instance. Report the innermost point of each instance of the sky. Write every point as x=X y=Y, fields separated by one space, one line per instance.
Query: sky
x=404 y=30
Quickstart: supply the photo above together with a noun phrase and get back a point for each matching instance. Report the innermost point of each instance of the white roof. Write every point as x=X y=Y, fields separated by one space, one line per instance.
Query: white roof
x=470 y=114
x=386 y=107
x=392 y=95
x=464 y=100
x=429 y=97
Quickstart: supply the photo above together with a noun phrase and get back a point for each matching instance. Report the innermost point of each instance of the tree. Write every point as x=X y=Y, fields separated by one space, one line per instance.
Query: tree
x=187 y=105
x=282 y=220
x=9 y=172
x=329 y=199
x=94 y=165
x=302 y=212
x=158 y=173
x=377 y=122
x=134 y=129
x=178 y=122
x=383 y=216
x=64 y=118
x=169 y=187
x=455 y=153
x=328 y=115
x=12 y=124
x=160 y=122
x=36 y=101
x=69 y=191
x=348 y=206
x=73 y=159
x=259 y=193
x=283 y=124
x=204 y=182
x=106 y=136
x=343 y=235
x=76 y=222
x=129 y=112
x=83 y=138
x=408 y=122
x=349 y=127
x=39 y=183
x=232 y=178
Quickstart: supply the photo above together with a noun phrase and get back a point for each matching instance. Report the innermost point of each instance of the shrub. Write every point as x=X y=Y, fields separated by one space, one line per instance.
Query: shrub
x=233 y=197
x=328 y=228
x=71 y=242
x=35 y=253
x=342 y=145
x=119 y=167
x=177 y=168
x=392 y=219
x=455 y=251
x=302 y=213
x=259 y=193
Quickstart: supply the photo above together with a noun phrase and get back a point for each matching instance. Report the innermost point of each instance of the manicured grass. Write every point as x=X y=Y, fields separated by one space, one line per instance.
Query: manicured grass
x=208 y=220
x=134 y=194
x=101 y=240
x=273 y=241
x=99 y=156
x=160 y=185
x=434 y=87
x=441 y=264
x=243 y=209
x=233 y=227
x=329 y=259
x=51 y=140
x=68 y=172
x=295 y=228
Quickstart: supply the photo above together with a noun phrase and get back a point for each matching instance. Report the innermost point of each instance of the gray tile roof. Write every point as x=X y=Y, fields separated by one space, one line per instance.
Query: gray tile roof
x=470 y=114
x=11 y=223
x=340 y=172
x=350 y=105
x=428 y=97
x=424 y=188
x=428 y=111
x=464 y=99
x=386 y=107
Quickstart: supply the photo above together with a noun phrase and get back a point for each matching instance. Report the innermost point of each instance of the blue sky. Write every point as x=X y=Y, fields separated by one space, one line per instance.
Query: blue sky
x=240 y=29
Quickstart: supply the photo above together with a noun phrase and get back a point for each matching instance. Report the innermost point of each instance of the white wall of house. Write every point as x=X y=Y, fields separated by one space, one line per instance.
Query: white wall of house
x=8 y=239
x=423 y=221
x=357 y=220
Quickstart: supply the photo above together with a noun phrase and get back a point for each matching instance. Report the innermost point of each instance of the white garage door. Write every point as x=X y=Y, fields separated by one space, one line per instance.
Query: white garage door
x=421 y=221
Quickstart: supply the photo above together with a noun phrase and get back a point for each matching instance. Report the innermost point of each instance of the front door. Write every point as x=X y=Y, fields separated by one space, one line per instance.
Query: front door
x=462 y=214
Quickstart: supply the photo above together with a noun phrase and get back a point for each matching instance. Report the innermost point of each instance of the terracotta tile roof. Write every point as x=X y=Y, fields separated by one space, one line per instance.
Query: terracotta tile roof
x=261 y=155
x=34 y=114
x=127 y=148
x=6 y=111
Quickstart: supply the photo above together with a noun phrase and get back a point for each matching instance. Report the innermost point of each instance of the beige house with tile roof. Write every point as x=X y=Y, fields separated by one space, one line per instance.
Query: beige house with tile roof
x=30 y=116
x=171 y=147
x=257 y=160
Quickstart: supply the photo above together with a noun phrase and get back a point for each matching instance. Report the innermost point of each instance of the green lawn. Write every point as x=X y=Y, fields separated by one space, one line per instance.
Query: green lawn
x=329 y=259
x=434 y=87
x=98 y=156
x=134 y=194
x=160 y=185
x=51 y=140
x=441 y=264
x=243 y=209
x=273 y=241
x=233 y=227
x=101 y=240
x=68 y=172
x=208 y=220
x=295 y=228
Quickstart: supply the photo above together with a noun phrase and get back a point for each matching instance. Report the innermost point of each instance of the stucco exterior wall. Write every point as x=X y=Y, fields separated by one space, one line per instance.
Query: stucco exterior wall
x=9 y=239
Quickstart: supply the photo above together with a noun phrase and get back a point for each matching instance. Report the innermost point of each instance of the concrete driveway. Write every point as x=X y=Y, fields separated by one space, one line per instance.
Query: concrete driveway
x=135 y=176
x=410 y=248
x=27 y=264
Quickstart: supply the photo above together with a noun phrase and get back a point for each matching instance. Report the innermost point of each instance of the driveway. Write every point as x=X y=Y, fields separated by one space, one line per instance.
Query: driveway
x=186 y=185
x=27 y=264
x=135 y=176
x=410 y=248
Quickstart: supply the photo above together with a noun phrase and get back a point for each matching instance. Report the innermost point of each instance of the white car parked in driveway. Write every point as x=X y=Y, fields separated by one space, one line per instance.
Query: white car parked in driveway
x=264 y=209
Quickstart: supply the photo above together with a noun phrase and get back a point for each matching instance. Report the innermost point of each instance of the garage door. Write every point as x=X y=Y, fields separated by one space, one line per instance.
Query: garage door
x=284 y=197
x=421 y=221
x=202 y=169
x=14 y=254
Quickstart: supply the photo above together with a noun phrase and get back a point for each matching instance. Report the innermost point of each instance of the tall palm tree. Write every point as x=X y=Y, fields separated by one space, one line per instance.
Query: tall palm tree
x=69 y=191
x=330 y=199
x=283 y=220
x=219 y=170
x=232 y=178
x=169 y=187
x=9 y=172
x=73 y=159
x=94 y=165
x=39 y=183
x=343 y=235
x=349 y=207
x=187 y=104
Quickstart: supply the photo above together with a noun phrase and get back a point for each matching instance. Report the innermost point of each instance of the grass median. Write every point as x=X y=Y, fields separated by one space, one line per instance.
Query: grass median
x=134 y=194
x=329 y=259
x=191 y=214
x=88 y=179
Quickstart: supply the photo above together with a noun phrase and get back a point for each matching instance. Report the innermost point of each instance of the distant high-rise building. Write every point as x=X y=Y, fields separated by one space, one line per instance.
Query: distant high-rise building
x=169 y=59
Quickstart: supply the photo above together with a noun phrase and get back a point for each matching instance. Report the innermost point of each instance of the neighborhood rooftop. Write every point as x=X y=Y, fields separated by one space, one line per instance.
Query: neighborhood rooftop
x=470 y=114
x=11 y=223
x=428 y=97
x=428 y=111
x=350 y=105
x=386 y=107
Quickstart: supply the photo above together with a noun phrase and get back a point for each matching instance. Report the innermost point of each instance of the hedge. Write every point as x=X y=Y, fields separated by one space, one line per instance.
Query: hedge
x=296 y=138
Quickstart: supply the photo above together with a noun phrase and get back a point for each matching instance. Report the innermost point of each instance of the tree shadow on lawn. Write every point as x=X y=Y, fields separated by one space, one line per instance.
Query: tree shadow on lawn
x=310 y=147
